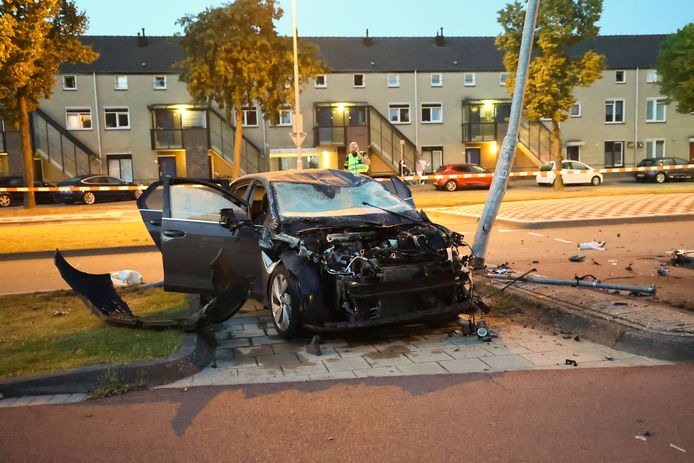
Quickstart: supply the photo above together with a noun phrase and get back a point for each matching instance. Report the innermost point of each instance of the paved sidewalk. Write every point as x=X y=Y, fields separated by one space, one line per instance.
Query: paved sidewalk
x=77 y=216
x=603 y=209
x=57 y=399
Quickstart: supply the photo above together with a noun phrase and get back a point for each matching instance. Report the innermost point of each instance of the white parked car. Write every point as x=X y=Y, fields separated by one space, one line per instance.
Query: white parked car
x=572 y=172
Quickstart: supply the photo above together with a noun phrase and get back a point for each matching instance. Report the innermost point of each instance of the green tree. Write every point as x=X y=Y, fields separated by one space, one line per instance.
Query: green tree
x=43 y=35
x=554 y=70
x=675 y=66
x=235 y=58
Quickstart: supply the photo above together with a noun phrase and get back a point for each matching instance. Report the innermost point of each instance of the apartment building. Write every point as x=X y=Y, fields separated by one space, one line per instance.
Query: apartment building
x=440 y=98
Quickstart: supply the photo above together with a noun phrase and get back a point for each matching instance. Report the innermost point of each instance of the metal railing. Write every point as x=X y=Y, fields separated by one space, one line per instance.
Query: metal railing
x=221 y=141
x=61 y=148
x=537 y=138
x=166 y=139
x=484 y=131
x=384 y=139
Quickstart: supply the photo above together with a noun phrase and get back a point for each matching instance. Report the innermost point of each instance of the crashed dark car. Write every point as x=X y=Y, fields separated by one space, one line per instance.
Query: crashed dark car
x=323 y=249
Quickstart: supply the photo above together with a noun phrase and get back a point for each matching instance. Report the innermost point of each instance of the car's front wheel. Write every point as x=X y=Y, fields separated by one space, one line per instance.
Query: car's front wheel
x=284 y=300
x=451 y=185
x=660 y=177
x=89 y=198
x=5 y=200
x=595 y=181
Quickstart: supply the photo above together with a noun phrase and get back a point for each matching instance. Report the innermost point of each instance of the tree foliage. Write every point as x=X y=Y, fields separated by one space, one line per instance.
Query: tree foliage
x=554 y=70
x=235 y=58
x=36 y=38
x=675 y=66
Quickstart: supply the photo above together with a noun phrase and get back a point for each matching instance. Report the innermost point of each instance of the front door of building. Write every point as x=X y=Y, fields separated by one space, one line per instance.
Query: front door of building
x=473 y=155
x=167 y=166
x=691 y=151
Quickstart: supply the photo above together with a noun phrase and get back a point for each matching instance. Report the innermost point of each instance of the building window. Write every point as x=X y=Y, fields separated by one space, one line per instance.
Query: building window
x=503 y=77
x=655 y=110
x=614 y=153
x=120 y=82
x=469 y=79
x=321 y=81
x=399 y=113
x=120 y=166
x=117 y=118
x=159 y=82
x=78 y=119
x=285 y=118
x=614 y=111
x=575 y=111
x=69 y=82
x=250 y=117
x=620 y=77
x=437 y=79
x=393 y=80
x=651 y=76
x=655 y=148
x=573 y=152
x=432 y=113
x=358 y=80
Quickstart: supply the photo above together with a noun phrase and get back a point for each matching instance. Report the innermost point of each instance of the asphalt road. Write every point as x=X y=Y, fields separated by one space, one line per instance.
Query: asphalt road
x=575 y=415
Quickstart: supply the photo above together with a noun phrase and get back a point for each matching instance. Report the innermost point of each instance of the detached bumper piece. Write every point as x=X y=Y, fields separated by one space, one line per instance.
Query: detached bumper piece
x=99 y=295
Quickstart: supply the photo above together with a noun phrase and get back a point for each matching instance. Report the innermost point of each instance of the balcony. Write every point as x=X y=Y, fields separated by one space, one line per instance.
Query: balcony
x=167 y=139
x=484 y=131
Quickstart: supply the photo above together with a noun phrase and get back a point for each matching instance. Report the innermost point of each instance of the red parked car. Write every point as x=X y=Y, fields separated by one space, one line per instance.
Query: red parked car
x=452 y=184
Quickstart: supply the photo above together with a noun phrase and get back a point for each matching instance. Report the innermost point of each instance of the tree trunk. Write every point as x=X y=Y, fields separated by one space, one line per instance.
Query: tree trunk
x=555 y=150
x=29 y=198
x=238 y=140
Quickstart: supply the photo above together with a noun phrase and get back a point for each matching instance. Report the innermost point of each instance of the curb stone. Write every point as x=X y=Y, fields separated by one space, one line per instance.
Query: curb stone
x=192 y=357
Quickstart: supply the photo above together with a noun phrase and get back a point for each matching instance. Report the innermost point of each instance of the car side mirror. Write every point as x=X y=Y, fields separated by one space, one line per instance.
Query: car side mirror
x=228 y=219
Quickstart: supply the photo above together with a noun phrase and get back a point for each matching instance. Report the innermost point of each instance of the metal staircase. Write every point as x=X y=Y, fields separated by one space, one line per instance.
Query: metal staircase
x=534 y=140
x=221 y=141
x=59 y=147
x=384 y=141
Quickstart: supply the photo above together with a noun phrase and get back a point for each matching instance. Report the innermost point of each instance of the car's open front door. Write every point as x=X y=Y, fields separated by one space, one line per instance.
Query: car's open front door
x=151 y=204
x=192 y=237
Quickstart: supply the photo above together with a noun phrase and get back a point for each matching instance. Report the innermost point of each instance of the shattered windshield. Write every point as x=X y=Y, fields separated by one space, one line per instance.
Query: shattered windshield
x=321 y=200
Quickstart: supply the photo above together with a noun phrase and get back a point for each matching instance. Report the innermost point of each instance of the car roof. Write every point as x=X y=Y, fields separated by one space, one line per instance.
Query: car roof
x=322 y=176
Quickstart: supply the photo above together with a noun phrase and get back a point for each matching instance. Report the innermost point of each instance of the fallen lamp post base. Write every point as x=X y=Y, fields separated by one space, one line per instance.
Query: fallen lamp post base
x=576 y=282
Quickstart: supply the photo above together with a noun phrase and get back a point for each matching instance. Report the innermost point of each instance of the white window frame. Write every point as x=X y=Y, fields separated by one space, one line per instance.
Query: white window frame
x=245 y=116
x=79 y=110
x=115 y=82
x=652 y=76
x=577 y=104
x=363 y=80
x=623 y=145
x=430 y=105
x=119 y=157
x=395 y=83
x=325 y=81
x=400 y=106
x=436 y=84
x=154 y=82
x=503 y=77
x=614 y=101
x=465 y=79
x=65 y=87
x=291 y=117
x=117 y=110
x=654 y=101
x=650 y=154
x=624 y=75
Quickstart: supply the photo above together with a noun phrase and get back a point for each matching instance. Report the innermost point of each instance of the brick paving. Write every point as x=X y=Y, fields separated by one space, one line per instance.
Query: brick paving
x=581 y=209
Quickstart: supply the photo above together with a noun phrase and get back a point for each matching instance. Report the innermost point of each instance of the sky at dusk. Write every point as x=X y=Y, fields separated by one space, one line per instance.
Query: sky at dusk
x=381 y=17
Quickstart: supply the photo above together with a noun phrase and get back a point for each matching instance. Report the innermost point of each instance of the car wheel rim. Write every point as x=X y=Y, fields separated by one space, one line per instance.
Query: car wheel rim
x=596 y=181
x=281 y=302
x=4 y=201
x=451 y=186
x=660 y=178
x=89 y=198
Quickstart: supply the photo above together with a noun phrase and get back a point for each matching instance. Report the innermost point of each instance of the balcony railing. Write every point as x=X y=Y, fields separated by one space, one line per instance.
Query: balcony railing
x=166 y=139
x=484 y=131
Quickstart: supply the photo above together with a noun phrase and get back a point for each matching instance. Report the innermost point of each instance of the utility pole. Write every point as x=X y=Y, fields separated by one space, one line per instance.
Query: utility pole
x=298 y=135
x=508 y=148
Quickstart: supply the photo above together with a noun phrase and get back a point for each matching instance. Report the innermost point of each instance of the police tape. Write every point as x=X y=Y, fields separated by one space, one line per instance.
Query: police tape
x=57 y=189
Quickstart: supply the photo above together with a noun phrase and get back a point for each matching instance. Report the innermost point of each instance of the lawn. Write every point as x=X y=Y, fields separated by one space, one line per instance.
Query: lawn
x=45 y=332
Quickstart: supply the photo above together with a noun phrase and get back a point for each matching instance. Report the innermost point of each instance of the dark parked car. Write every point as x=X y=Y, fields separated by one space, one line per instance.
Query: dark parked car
x=323 y=249
x=452 y=184
x=90 y=197
x=661 y=176
x=9 y=199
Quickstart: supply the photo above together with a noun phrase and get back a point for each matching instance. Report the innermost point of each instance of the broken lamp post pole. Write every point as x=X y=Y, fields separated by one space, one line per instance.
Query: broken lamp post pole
x=508 y=148
x=298 y=133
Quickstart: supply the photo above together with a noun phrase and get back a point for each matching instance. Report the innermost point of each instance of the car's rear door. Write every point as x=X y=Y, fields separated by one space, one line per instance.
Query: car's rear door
x=191 y=236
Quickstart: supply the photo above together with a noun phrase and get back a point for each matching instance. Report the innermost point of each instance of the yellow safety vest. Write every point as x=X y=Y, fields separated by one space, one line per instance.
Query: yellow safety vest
x=354 y=164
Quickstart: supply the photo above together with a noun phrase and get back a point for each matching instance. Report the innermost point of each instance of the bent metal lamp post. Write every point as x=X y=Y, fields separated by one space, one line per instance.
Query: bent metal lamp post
x=508 y=148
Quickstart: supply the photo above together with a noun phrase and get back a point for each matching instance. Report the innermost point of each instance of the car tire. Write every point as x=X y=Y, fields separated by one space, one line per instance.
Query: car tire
x=5 y=200
x=88 y=198
x=451 y=185
x=595 y=181
x=660 y=177
x=283 y=298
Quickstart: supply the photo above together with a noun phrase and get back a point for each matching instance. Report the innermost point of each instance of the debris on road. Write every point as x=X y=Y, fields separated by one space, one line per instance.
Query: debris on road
x=609 y=358
x=629 y=267
x=678 y=448
x=571 y=362
x=313 y=347
x=577 y=258
x=663 y=270
x=592 y=246
x=644 y=437
x=123 y=278
x=681 y=257
x=60 y=313
x=577 y=339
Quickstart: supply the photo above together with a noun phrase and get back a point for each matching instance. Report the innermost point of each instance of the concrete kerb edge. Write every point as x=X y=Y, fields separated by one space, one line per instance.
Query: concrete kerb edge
x=194 y=355
x=659 y=345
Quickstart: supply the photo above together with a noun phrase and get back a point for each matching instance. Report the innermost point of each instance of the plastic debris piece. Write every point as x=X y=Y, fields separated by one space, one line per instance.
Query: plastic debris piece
x=126 y=278
x=662 y=271
x=678 y=448
x=629 y=267
x=592 y=246
x=571 y=362
x=680 y=257
x=619 y=303
x=60 y=313
x=577 y=258
x=577 y=339
x=609 y=358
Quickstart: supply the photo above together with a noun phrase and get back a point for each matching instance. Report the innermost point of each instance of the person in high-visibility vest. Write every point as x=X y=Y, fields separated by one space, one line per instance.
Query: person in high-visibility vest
x=356 y=161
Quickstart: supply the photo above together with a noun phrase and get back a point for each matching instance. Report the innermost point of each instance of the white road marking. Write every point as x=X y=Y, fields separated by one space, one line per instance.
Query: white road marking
x=505 y=230
x=563 y=241
x=536 y=234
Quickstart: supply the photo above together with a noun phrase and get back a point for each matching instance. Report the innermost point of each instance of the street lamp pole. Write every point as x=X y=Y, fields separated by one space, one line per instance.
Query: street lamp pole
x=298 y=133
